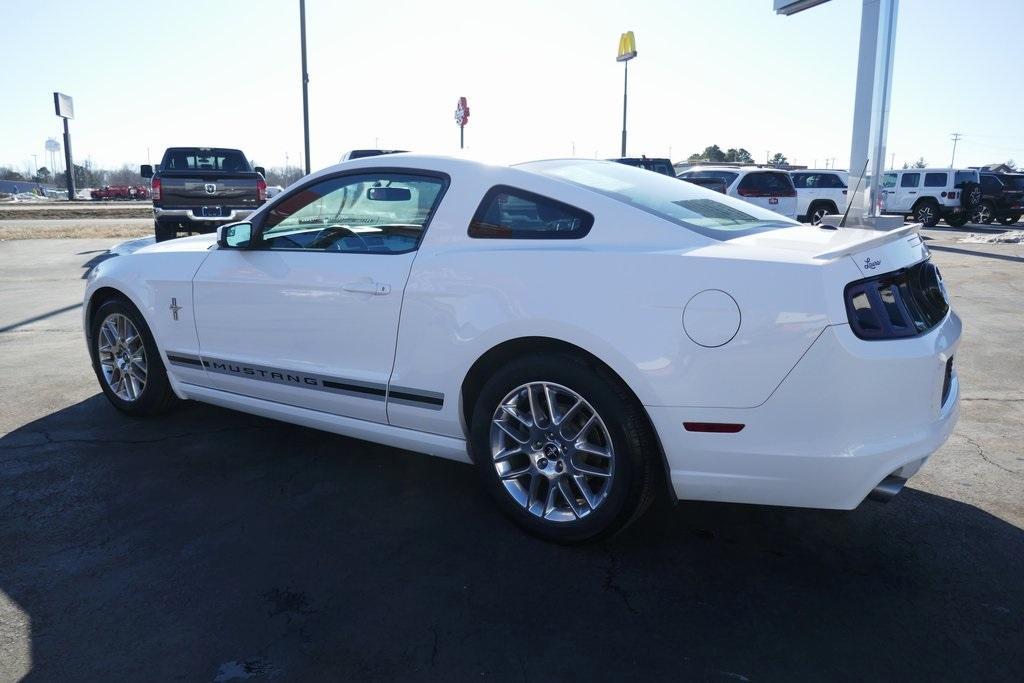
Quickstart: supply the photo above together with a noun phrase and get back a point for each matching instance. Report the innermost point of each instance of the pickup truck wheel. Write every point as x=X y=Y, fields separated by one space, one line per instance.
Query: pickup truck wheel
x=927 y=213
x=984 y=213
x=956 y=220
x=563 y=448
x=126 y=360
x=164 y=232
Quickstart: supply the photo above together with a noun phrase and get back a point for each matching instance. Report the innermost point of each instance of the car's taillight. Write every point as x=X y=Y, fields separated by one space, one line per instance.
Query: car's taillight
x=261 y=189
x=157 y=190
x=951 y=195
x=901 y=304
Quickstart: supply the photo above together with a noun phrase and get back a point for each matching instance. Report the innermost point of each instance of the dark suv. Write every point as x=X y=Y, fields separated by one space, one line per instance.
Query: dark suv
x=1002 y=198
x=658 y=165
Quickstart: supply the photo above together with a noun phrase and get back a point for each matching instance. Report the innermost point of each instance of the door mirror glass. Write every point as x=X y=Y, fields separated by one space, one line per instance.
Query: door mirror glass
x=146 y=171
x=234 y=236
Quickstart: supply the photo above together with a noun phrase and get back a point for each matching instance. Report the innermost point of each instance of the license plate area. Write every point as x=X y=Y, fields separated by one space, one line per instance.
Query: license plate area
x=211 y=211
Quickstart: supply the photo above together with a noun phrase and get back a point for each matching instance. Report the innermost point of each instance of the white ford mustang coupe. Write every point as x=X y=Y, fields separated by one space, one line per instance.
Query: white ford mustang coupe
x=587 y=334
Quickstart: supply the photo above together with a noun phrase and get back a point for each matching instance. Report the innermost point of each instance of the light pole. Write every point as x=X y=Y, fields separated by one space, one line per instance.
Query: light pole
x=305 y=80
x=955 y=137
x=627 y=51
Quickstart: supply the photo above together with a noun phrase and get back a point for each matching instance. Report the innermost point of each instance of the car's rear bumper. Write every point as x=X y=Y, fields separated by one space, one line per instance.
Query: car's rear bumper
x=850 y=414
x=187 y=217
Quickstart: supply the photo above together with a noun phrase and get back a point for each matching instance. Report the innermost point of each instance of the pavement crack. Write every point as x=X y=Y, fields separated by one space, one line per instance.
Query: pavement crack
x=610 y=576
x=981 y=452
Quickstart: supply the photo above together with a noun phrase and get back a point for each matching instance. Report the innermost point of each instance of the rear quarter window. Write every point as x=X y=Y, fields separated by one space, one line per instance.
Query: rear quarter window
x=935 y=179
x=510 y=213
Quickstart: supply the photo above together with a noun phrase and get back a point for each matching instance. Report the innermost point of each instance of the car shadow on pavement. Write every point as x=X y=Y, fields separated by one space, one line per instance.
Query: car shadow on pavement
x=212 y=545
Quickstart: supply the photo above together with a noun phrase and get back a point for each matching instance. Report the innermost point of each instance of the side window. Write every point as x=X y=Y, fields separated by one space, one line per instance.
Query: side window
x=800 y=180
x=935 y=179
x=831 y=180
x=889 y=180
x=510 y=213
x=910 y=179
x=990 y=184
x=382 y=213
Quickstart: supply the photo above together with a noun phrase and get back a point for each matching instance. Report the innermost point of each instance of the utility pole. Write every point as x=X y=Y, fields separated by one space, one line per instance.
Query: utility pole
x=305 y=80
x=955 y=137
x=35 y=165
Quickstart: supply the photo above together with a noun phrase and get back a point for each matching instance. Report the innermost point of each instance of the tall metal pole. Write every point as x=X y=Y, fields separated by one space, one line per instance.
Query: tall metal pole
x=305 y=80
x=956 y=138
x=69 y=166
x=462 y=137
x=625 y=89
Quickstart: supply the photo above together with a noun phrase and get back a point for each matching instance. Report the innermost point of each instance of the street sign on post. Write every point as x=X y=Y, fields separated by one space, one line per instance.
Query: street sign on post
x=64 y=107
x=627 y=51
x=462 y=118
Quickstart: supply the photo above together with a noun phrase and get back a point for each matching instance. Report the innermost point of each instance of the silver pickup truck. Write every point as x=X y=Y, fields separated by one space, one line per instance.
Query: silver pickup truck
x=196 y=189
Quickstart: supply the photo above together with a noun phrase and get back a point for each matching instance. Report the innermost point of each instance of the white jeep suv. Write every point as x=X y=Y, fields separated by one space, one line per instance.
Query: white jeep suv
x=767 y=188
x=819 y=193
x=930 y=194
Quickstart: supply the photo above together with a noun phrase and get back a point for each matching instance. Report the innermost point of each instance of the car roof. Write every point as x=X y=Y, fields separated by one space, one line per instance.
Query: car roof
x=819 y=170
x=931 y=170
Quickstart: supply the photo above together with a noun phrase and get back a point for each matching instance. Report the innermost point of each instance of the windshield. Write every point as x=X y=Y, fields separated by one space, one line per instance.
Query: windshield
x=698 y=209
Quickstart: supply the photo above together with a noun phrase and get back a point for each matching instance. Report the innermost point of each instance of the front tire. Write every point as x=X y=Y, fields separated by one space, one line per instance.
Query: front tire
x=927 y=214
x=126 y=360
x=563 y=448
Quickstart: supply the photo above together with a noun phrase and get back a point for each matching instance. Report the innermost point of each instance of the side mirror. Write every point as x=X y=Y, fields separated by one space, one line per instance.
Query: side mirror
x=234 y=236
x=262 y=171
x=146 y=170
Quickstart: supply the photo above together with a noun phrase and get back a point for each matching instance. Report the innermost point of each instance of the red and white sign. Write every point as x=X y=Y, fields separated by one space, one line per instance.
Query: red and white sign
x=462 y=112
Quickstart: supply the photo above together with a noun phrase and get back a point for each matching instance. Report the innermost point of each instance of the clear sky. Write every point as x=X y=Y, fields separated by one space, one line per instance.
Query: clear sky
x=540 y=76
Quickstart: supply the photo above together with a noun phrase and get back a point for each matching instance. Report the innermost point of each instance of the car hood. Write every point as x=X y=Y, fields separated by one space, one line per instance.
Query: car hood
x=182 y=244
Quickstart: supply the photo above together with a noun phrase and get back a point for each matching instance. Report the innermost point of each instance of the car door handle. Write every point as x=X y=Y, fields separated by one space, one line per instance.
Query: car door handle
x=375 y=288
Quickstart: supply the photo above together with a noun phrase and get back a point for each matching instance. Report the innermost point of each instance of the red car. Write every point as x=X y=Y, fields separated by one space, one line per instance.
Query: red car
x=122 y=192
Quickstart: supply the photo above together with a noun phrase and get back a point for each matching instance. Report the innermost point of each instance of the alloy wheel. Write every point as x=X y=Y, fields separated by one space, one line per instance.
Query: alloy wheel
x=122 y=357
x=924 y=214
x=552 y=451
x=818 y=216
x=981 y=214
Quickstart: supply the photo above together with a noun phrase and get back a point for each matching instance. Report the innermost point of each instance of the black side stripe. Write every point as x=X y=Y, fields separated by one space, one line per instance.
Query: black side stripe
x=418 y=398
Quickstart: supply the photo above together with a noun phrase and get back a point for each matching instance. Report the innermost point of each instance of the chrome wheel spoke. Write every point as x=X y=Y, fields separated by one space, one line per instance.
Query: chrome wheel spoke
x=122 y=357
x=552 y=452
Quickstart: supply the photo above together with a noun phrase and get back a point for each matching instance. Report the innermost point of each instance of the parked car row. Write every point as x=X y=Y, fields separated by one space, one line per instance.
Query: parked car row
x=119 y=192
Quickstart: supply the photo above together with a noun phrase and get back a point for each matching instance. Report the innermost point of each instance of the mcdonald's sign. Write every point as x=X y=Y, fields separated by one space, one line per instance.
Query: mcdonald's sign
x=627 y=47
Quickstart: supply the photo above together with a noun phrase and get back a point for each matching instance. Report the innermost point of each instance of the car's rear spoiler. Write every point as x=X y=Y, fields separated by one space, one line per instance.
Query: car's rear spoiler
x=876 y=239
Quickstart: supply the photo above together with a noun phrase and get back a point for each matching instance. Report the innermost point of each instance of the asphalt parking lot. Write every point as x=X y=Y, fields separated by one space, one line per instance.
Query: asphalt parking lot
x=212 y=545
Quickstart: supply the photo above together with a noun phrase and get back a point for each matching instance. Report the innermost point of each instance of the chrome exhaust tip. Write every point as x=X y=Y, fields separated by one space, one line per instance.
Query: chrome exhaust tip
x=887 y=489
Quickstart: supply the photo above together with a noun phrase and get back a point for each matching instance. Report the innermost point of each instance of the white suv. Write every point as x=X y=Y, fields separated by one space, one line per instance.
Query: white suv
x=765 y=187
x=930 y=194
x=819 y=193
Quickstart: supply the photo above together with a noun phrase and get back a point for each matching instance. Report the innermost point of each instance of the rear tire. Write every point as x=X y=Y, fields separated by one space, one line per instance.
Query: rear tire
x=126 y=360
x=927 y=213
x=164 y=232
x=983 y=213
x=819 y=210
x=956 y=220
x=536 y=466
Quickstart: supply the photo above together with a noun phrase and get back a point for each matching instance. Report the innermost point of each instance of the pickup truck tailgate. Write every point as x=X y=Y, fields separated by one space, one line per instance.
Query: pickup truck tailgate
x=188 y=191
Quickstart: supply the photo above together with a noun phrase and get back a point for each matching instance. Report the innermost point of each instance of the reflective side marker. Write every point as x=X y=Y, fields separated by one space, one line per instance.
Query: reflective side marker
x=714 y=427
